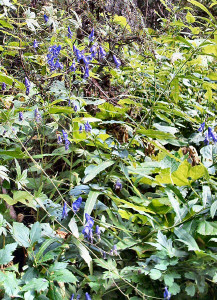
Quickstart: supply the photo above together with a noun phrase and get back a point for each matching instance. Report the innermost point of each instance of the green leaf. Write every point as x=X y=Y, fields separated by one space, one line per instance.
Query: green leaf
x=36 y=284
x=10 y=283
x=207 y=228
x=213 y=209
x=43 y=247
x=21 y=234
x=8 y=199
x=175 y=204
x=73 y=227
x=187 y=239
x=155 y=274
x=63 y=276
x=90 y=202
x=190 y=289
x=155 y=134
x=84 y=254
x=96 y=170
x=35 y=233
x=190 y=18
x=6 y=253
x=174 y=289
x=202 y=7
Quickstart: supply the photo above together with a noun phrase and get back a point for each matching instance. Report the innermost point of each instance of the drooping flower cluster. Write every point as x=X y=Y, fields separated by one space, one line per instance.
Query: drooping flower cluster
x=167 y=294
x=118 y=185
x=35 y=44
x=88 y=229
x=3 y=86
x=209 y=134
x=53 y=60
x=21 y=116
x=76 y=205
x=37 y=115
x=64 y=212
x=27 y=85
x=114 y=251
x=87 y=127
x=67 y=142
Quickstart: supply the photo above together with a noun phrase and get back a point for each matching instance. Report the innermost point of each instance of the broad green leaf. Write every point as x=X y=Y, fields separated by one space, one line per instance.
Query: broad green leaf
x=6 y=253
x=175 y=204
x=190 y=18
x=198 y=4
x=73 y=227
x=8 y=199
x=84 y=254
x=43 y=247
x=190 y=289
x=21 y=234
x=35 y=233
x=90 y=202
x=207 y=228
x=155 y=274
x=36 y=284
x=213 y=209
x=96 y=170
x=187 y=239
x=63 y=275
x=155 y=134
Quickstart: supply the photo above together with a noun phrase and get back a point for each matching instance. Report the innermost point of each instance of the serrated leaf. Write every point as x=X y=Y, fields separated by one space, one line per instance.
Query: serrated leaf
x=63 y=275
x=6 y=253
x=187 y=239
x=190 y=289
x=36 y=284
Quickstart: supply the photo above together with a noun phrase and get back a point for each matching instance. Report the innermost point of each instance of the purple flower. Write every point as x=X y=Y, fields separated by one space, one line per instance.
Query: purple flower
x=98 y=232
x=73 y=67
x=117 y=61
x=69 y=33
x=201 y=128
x=75 y=108
x=46 y=18
x=86 y=74
x=115 y=251
x=93 y=51
x=35 y=44
x=91 y=36
x=104 y=255
x=102 y=52
x=78 y=53
x=80 y=129
x=59 y=139
x=78 y=297
x=118 y=185
x=65 y=135
x=88 y=231
x=167 y=294
x=64 y=212
x=67 y=143
x=27 y=82
x=87 y=296
x=87 y=127
x=76 y=205
x=69 y=103
x=27 y=91
x=206 y=140
x=53 y=60
x=21 y=116
x=72 y=297
x=3 y=86
x=37 y=115
x=211 y=135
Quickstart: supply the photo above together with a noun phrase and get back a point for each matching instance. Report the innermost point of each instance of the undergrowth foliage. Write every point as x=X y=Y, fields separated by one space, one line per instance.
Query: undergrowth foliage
x=108 y=153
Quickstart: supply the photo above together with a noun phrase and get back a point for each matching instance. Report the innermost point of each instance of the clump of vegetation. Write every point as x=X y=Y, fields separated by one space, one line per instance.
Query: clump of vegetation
x=108 y=153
